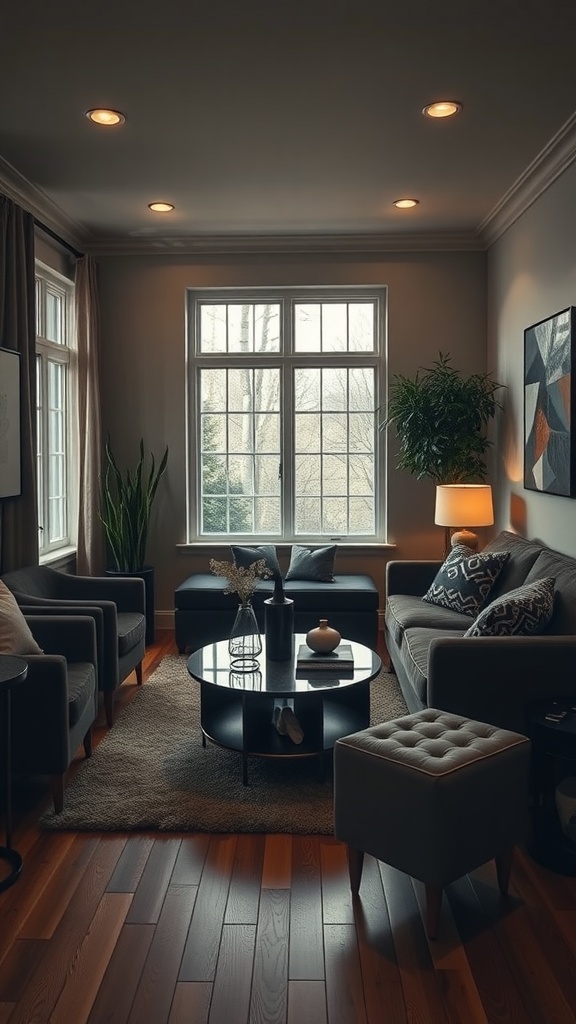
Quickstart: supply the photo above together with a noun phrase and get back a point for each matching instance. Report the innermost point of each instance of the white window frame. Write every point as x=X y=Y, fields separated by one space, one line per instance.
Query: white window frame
x=288 y=359
x=64 y=353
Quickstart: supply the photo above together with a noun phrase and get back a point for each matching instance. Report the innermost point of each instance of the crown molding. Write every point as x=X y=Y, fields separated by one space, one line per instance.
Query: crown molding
x=286 y=244
x=32 y=199
x=550 y=163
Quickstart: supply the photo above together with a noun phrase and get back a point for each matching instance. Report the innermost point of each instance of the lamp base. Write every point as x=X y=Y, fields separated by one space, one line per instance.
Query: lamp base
x=465 y=537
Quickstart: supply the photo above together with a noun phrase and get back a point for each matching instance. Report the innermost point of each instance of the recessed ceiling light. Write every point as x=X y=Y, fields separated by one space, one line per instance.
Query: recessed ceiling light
x=161 y=207
x=443 y=108
x=108 y=118
x=406 y=204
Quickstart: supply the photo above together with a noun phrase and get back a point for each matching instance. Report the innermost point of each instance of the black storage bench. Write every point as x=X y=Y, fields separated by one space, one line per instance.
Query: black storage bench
x=204 y=613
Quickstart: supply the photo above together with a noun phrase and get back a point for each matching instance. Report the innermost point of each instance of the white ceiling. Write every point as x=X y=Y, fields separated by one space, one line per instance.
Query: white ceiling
x=282 y=117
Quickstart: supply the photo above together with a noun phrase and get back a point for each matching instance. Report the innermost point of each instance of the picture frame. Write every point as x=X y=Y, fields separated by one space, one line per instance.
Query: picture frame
x=549 y=405
x=10 y=450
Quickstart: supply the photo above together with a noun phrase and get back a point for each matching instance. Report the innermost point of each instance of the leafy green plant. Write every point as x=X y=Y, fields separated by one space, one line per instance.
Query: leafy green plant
x=440 y=418
x=126 y=503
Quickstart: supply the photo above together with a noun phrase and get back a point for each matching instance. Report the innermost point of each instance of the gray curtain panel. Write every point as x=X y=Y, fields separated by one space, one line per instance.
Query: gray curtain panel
x=19 y=515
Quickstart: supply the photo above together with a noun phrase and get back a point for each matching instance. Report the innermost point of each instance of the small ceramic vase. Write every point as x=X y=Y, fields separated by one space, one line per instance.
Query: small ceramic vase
x=323 y=638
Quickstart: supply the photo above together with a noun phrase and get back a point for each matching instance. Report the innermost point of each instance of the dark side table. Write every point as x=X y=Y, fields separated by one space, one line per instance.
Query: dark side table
x=12 y=671
x=552 y=726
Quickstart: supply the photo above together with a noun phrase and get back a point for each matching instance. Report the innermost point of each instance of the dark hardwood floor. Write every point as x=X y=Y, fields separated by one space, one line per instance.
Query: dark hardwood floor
x=230 y=929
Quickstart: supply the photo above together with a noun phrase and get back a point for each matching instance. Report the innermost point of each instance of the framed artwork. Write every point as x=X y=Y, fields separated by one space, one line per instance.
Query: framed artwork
x=549 y=443
x=10 y=476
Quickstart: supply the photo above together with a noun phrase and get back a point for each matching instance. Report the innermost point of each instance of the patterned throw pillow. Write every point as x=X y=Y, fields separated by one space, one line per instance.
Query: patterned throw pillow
x=520 y=612
x=313 y=564
x=464 y=581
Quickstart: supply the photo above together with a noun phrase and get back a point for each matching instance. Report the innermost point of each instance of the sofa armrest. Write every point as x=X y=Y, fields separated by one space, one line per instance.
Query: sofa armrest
x=410 y=577
x=71 y=636
x=492 y=679
x=105 y=618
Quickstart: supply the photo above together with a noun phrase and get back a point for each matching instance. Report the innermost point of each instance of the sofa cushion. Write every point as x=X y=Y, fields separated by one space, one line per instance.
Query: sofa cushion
x=563 y=568
x=415 y=646
x=465 y=580
x=521 y=612
x=313 y=564
x=244 y=555
x=15 y=635
x=404 y=611
x=131 y=630
x=523 y=554
x=81 y=676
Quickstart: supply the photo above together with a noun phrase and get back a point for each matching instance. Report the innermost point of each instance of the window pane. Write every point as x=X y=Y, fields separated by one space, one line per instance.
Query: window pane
x=335 y=388
x=334 y=327
x=267 y=515
x=307 y=327
x=267 y=328
x=361 y=327
x=307 y=516
x=334 y=475
x=212 y=328
x=240 y=328
x=307 y=389
x=54 y=316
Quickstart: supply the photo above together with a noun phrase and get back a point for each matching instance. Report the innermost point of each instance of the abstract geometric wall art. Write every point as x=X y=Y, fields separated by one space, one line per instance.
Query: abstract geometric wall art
x=549 y=404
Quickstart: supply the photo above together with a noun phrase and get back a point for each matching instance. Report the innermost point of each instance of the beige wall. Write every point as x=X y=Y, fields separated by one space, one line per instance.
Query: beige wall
x=531 y=275
x=437 y=302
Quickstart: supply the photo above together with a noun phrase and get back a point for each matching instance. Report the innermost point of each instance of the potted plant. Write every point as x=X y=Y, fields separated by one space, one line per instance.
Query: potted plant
x=126 y=505
x=440 y=419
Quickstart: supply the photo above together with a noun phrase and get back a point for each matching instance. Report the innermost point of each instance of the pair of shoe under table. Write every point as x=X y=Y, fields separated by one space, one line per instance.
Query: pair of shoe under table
x=434 y=795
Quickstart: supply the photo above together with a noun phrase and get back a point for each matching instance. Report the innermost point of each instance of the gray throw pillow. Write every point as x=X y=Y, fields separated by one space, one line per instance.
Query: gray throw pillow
x=464 y=581
x=244 y=555
x=15 y=635
x=521 y=612
x=313 y=564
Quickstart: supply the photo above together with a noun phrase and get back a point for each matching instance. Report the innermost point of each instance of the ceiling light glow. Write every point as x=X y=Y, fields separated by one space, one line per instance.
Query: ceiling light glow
x=161 y=207
x=443 y=108
x=406 y=204
x=108 y=118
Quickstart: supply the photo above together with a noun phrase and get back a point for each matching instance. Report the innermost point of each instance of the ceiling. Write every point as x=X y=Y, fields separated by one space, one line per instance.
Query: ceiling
x=283 y=119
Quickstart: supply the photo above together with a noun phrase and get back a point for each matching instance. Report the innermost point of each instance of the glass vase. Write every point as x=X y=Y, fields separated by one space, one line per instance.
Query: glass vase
x=245 y=643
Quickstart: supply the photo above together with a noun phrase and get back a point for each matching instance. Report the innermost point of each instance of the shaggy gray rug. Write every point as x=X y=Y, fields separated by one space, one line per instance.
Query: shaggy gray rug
x=151 y=771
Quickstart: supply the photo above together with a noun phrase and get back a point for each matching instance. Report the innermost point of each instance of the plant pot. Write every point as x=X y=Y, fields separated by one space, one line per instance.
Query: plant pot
x=146 y=574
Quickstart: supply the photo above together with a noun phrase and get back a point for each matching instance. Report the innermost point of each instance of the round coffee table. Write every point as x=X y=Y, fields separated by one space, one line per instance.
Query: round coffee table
x=236 y=708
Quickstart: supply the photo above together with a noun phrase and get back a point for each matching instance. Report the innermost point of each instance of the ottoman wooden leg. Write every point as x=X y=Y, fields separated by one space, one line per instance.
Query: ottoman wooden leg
x=503 y=868
x=433 y=907
x=355 y=862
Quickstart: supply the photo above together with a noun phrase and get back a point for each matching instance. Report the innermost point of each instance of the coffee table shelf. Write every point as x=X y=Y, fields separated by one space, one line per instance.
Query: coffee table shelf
x=236 y=712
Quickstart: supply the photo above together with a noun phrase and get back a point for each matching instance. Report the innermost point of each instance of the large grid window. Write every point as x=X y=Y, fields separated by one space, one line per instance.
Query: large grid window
x=284 y=390
x=54 y=348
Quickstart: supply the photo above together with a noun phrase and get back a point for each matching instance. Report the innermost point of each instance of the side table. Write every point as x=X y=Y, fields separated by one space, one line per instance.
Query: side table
x=552 y=725
x=12 y=671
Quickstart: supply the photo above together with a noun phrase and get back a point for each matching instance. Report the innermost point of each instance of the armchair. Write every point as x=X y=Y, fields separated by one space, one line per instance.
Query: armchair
x=117 y=606
x=54 y=708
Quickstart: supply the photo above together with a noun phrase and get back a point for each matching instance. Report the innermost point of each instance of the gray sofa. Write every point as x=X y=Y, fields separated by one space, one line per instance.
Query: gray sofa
x=488 y=678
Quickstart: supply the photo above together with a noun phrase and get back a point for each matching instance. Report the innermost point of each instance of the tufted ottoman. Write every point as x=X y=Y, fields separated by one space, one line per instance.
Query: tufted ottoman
x=432 y=794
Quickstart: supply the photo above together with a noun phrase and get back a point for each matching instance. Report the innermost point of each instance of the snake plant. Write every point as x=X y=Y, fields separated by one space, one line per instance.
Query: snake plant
x=126 y=503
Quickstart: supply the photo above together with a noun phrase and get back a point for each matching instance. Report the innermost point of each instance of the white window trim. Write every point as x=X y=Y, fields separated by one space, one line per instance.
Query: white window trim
x=66 y=354
x=287 y=359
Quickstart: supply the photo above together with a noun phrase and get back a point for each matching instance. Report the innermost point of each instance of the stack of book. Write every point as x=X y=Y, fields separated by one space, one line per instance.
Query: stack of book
x=339 y=662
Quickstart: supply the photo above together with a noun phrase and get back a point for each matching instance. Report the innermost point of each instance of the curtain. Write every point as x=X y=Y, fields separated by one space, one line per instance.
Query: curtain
x=19 y=515
x=90 y=552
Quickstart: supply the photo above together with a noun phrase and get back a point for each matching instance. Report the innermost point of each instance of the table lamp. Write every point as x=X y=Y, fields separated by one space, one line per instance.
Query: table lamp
x=459 y=506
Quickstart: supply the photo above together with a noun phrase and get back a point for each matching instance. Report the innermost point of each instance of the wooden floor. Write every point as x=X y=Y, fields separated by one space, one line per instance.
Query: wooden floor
x=229 y=929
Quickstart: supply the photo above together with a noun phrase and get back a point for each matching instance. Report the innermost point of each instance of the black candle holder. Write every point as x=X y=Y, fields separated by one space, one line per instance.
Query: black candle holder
x=279 y=629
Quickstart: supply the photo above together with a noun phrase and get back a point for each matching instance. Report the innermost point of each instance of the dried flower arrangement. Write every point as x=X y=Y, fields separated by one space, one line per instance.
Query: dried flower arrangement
x=241 y=581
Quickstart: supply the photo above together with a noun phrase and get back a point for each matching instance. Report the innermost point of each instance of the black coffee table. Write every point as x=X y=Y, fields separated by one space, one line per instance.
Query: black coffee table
x=236 y=708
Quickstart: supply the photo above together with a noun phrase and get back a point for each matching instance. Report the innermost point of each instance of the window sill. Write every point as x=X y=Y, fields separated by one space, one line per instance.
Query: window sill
x=60 y=558
x=208 y=545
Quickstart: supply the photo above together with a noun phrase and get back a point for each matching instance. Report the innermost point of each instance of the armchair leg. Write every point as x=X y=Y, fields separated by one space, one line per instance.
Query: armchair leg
x=87 y=742
x=109 y=707
x=355 y=863
x=139 y=673
x=57 y=782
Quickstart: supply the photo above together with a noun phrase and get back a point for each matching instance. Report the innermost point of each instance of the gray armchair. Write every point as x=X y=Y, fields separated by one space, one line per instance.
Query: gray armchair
x=117 y=605
x=54 y=708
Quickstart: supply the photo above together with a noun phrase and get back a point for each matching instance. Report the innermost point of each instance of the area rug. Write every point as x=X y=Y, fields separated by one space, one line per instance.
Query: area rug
x=151 y=772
